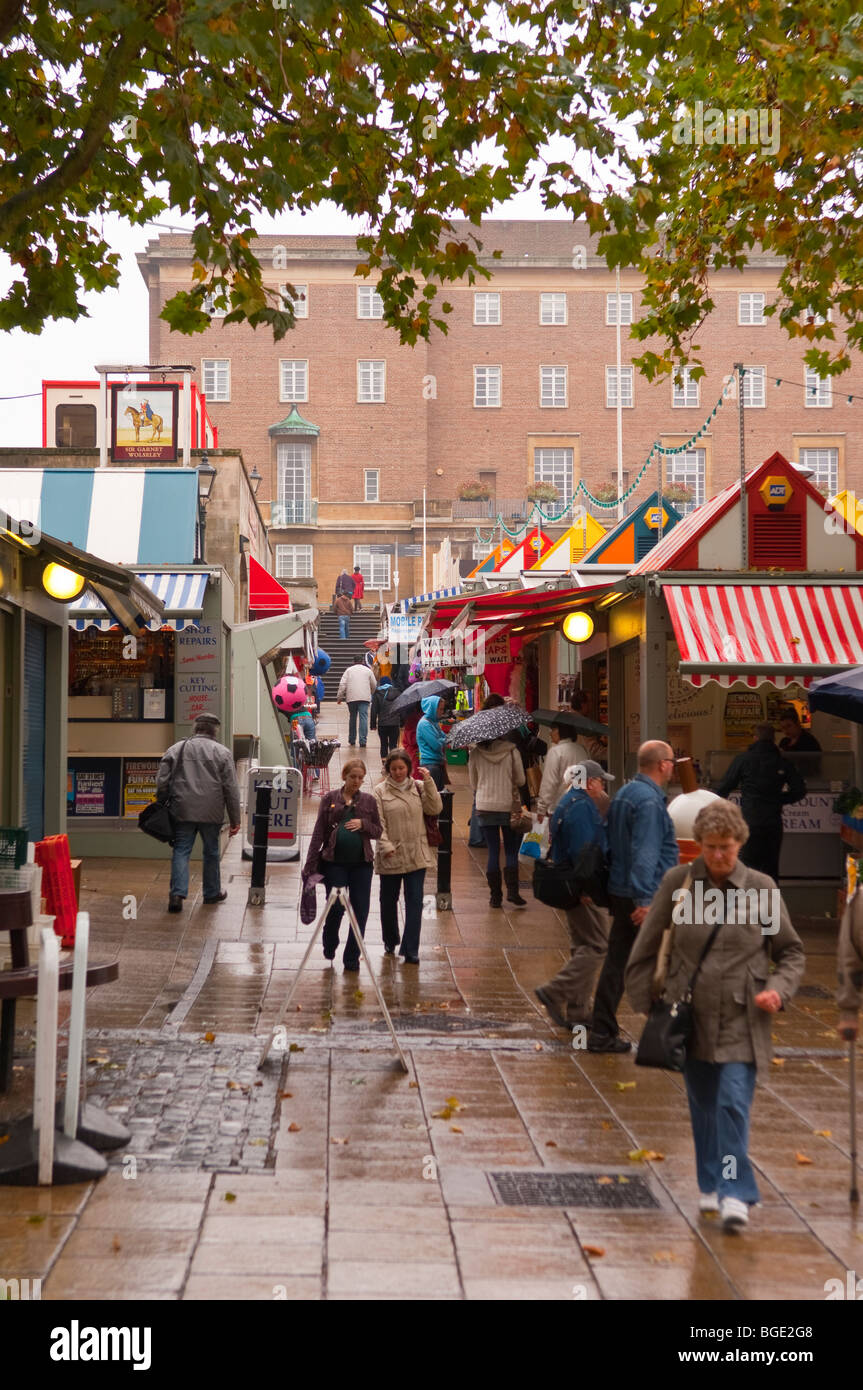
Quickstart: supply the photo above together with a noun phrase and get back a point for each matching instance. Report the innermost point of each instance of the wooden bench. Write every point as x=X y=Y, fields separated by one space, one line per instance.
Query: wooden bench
x=22 y=981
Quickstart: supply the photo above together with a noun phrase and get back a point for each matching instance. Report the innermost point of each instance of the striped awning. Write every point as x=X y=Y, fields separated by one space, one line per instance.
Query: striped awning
x=787 y=634
x=428 y=598
x=182 y=595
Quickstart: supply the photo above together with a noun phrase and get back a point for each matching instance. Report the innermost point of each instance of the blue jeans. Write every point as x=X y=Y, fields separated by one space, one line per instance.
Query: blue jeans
x=361 y=708
x=307 y=724
x=183 y=842
x=344 y=626
x=720 y=1095
x=511 y=845
x=414 y=883
x=357 y=878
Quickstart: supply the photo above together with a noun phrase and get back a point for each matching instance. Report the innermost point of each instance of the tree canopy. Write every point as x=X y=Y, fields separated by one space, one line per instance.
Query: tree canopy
x=694 y=131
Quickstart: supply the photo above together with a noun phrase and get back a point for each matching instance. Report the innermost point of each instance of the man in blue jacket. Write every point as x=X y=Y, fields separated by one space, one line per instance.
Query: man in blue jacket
x=431 y=739
x=642 y=847
x=578 y=822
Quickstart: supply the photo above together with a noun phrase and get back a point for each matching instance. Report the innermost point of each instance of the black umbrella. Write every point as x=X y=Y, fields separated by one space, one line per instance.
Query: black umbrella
x=571 y=720
x=841 y=695
x=419 y=691
x=487 y=724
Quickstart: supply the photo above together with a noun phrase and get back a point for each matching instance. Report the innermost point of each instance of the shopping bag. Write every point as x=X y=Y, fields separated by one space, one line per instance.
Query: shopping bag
x=536 y=841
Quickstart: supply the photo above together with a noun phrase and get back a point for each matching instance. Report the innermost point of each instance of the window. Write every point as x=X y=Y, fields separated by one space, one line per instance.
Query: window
x=375 y=569
x=486 y=307
x=294 y=380
x=294 y=562
x=481 y=550
x=819 y=390
x=554 y=466
x=215 y=307
x=552 y=386
x=294 y=463
x=810 y=316
x=75 y=426
x=626 y=398
x=825 y=468
x=371 y=380
x=750 y=308
x=688 y=470
x=686 y=394
x=753 y=387
x=369 y=303
x=552 y=308
x=372 y=485
x=299 y=299
x=216 y=378
x=625 y=308
x=486 y=386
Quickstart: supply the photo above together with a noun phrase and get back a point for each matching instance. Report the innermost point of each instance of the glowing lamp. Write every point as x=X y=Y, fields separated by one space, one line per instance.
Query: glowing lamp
x=578 y=626
x=61 y=583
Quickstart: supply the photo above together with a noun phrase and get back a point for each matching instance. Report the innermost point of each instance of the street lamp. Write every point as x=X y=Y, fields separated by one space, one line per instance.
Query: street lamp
x=206 y=479
x=255 y=479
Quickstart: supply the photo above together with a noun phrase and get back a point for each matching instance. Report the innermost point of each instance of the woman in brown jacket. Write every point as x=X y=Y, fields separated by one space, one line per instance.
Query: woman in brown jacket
x=341 y=850
x=403 y=852
x=735 y=994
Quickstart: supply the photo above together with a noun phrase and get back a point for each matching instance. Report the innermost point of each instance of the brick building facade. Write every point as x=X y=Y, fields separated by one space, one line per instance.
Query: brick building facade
x=347 y=427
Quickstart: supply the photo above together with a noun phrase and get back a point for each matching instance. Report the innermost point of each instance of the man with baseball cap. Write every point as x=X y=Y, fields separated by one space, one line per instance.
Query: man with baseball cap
x=577 y=822
x=199 y=775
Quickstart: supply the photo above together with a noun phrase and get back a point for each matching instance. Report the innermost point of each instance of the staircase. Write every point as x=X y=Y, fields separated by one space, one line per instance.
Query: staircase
x=364 y=625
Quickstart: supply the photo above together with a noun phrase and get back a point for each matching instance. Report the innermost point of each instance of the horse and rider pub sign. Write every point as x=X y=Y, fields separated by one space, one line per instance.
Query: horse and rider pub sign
x=144 y=421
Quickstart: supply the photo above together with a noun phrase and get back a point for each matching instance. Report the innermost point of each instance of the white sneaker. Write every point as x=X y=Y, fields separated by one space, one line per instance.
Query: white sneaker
x=734 y=1214
x=708 y=1201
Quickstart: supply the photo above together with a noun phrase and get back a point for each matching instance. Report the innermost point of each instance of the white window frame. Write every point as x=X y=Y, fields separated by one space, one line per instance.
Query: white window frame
x=754 y=387
x=487 y=307
x=481 y=550
x=369 y=303
x=750 y=312
x=209 y=304
x=685 y=396
x=553 y=386
x=293 y=362
x=810 y=316
x=294 y=462
x=376 y=370
x=211 y=366
x=818 y=390
x=301 y=303
x=627 y=376
x=826 y=458
x=369 y=473
x=287 y=558
x=690 y=469
x=553 y=309
x=555 y=465
x=625 y=309
x=487 y=374
x=375 y=569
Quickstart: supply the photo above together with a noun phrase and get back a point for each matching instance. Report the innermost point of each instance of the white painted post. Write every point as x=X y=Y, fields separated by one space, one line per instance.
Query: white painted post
x=76 y=1026
x=46 y=1052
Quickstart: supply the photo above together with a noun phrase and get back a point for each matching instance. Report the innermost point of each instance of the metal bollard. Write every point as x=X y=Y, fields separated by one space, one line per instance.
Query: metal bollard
x=261 y=827
x=444 y=854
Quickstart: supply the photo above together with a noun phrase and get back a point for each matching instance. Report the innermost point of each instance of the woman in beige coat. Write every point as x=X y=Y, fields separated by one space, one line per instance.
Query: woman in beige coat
x=496 y=775
x=735 y=994
x=403 y=851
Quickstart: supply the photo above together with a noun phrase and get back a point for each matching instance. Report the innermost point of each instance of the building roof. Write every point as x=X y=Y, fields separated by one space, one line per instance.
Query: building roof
x=294 y=424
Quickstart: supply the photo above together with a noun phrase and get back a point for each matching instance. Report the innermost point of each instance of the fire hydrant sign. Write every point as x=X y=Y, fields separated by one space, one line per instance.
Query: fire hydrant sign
x=283 y=837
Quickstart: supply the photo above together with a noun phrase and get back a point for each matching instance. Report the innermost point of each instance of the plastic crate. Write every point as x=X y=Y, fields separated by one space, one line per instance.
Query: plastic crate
x=456 y=757
x=13 y=846
x=58 y=884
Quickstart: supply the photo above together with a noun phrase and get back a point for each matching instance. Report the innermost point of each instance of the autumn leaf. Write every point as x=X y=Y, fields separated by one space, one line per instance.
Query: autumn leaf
x=209 y=1038
x=664 y=1257
x=4 y=1138
x=339 y=1141
x=606 y=1124
x=624 y=1085
x=823 y=1133
x=36 y=1219
x=550 y=1144
x=456 y=1129
x=537 y=1047
x=778 y=1061
x=454 y=1102
x=802 y=1159
x=595 y=1250
x=646 y=1156
x=116 y=1244
x=414 y=1085
x=286 y=1095
x=295 y=1047
x=230 y=1197
x=294 y=1128
x=621 y=1178
x=604 y=1181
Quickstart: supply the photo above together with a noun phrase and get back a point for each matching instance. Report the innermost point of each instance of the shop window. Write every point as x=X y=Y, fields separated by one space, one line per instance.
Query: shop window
x=75 y=427
x=109 y=678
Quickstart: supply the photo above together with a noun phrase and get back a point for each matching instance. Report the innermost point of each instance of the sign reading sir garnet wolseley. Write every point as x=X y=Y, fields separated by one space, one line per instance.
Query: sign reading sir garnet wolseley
x=144 y=422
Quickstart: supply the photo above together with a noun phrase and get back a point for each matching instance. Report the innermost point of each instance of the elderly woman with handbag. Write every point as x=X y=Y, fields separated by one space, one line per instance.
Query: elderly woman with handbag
x=404 y=849
x=340 y=849
x=496 y=775
x=733 y=960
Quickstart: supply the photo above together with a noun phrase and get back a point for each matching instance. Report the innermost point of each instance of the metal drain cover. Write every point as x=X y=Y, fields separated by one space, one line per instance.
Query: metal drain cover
x=442 y=1022
x=545 y=1189
x=813 y=1052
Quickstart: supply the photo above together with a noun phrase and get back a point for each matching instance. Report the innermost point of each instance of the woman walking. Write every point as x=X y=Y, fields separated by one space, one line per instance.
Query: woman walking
x=734 y=997
x=431 y=739
x=341 y=850
x=496 y=773
x=404 y=852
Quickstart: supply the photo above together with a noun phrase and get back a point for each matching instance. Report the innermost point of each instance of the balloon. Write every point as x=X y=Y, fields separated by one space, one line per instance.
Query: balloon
x=321 y=664
x=289 y=694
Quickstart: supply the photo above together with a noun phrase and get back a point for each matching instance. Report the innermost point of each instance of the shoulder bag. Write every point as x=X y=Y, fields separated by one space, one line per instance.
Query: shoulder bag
x=668 y=1030
x=157 y=819
x=433 y=830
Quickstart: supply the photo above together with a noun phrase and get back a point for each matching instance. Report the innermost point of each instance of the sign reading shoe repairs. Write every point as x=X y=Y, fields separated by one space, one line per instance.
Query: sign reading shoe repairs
x=198 y=664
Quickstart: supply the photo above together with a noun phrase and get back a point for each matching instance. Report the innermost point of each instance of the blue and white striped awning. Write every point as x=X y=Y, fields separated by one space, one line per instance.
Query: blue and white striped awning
x=427 y=598
x=182 y=595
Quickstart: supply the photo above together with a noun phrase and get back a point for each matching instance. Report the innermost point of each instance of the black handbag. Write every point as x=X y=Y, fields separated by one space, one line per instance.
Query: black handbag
x=157 y=818
x=668 y=1030
x=555 y=885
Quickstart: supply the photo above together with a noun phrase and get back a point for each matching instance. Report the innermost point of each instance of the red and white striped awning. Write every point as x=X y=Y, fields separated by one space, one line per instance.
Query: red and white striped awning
x=785 y=633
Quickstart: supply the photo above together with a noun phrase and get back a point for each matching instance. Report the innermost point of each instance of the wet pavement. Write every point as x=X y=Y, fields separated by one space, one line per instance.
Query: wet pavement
x=330 y=1174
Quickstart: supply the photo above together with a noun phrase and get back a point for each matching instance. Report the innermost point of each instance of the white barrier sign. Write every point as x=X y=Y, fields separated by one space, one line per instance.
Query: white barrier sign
x=283 y=838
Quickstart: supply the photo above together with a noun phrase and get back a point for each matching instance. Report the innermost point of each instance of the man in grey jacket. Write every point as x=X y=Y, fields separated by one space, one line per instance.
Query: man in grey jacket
x=203 y=785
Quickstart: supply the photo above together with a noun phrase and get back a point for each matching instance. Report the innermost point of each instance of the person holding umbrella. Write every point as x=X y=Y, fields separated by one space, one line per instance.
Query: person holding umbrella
x=407 y=707
x=496 y=774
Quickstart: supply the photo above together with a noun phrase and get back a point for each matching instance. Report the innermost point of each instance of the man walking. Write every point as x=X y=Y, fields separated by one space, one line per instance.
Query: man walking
x=203 y=785
x=576 y=823
x=344 y=608
x=767 y=782
x=386 y=723
x=357 y=686
x=642 y=847
x=359 y=588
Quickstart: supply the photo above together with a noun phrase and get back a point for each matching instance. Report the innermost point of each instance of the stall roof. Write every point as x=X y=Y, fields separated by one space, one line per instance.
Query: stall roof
x=516 y=606
x=267 y=597
x=179 y=595
x=632 y=537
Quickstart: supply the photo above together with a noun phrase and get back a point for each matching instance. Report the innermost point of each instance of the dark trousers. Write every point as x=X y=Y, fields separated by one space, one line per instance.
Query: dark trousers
x=609 y=990
x=511 y=845
x=438 y=774
x=357 y=878
x=391 y=884
x=763 y=848
x=389 y=736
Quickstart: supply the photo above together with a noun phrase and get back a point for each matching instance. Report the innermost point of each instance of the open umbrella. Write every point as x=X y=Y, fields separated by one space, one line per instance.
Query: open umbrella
x=576 y=722
x=487 y=724
x=841 y=695
x=419 y=691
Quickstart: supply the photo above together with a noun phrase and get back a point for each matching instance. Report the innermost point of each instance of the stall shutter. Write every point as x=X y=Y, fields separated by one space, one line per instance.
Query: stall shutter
x=778 y=541
x=34 y=729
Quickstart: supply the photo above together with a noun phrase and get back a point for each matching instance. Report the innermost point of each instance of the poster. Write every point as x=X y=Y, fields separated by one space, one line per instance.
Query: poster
x=139 y=785
x=198 y=648
x=198 y=693
x=497 y=650
x=144 y=421
x=93 y=787
x=743 y=710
